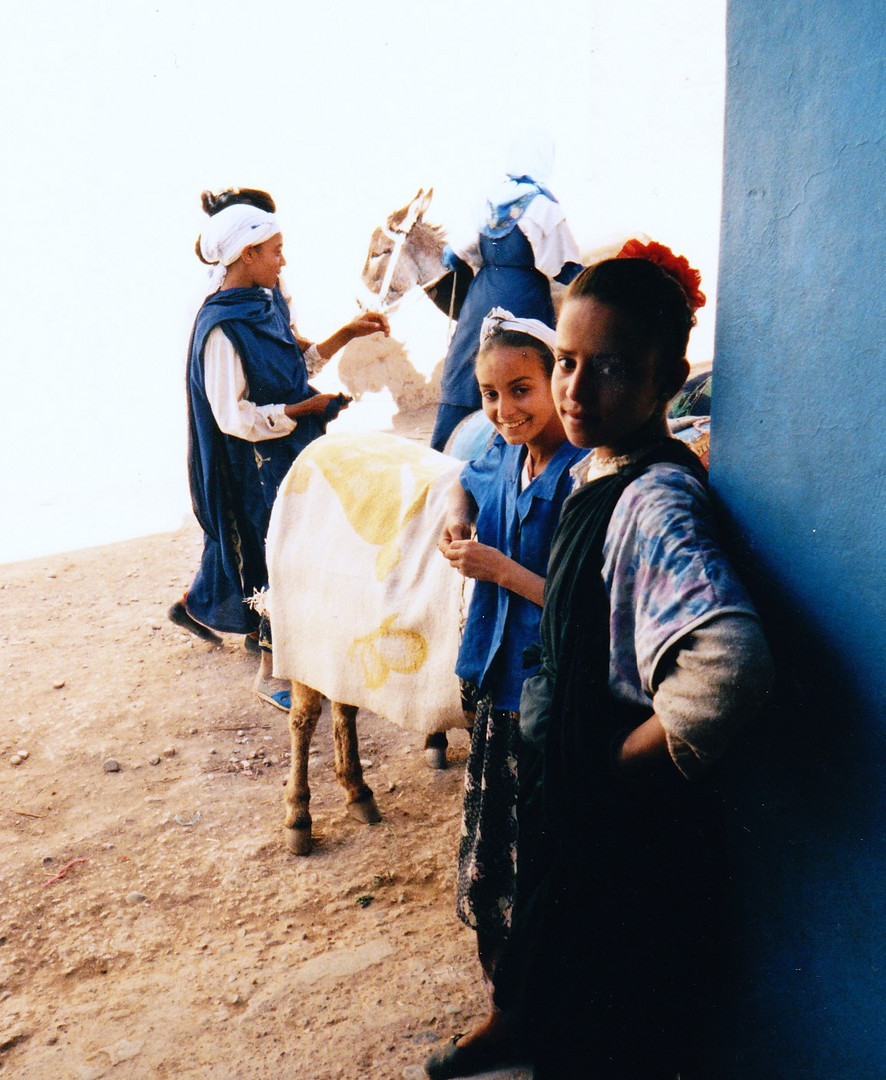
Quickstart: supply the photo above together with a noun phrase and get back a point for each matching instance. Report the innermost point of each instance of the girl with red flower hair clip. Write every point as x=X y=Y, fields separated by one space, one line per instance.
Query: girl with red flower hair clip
x=652 y=658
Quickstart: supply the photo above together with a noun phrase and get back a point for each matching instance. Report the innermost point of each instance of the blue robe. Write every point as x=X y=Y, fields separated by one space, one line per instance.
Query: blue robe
x=507 y=279
x=233 y=481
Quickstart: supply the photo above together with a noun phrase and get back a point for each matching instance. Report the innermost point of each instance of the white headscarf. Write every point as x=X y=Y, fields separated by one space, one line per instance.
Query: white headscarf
x=231 y=230
x=499 y=319
x=529 y=153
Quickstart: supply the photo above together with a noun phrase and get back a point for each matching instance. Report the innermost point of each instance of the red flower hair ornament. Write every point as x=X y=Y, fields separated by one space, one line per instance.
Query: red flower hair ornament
x=675 y=265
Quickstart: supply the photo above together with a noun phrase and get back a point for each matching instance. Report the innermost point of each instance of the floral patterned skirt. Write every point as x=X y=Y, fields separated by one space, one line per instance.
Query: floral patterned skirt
x=487 y=850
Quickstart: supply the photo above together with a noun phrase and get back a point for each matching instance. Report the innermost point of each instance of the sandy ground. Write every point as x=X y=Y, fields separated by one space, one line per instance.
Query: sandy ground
x=152 y=923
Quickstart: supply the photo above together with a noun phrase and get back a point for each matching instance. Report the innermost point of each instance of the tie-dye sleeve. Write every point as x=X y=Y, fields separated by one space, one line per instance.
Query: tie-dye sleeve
x=666 y=575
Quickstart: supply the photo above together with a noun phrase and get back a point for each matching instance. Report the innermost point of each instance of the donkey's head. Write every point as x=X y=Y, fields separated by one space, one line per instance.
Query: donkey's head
x=405 y=252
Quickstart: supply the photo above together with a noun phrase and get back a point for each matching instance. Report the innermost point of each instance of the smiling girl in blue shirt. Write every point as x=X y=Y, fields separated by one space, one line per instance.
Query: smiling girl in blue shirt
x=512 y=497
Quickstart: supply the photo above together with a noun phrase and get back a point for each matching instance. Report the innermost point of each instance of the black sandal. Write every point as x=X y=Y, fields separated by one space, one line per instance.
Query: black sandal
x=178 y=614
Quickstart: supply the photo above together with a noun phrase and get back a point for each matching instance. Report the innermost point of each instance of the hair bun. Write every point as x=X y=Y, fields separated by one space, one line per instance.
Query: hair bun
x=213 y=202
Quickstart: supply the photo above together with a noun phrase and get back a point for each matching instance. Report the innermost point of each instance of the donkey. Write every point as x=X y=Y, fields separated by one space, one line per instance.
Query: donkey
x=364 y=609
x=404 y=253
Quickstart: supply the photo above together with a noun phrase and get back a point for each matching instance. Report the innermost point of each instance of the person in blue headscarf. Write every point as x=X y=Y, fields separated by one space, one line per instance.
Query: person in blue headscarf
x=523 y=244
x=250 y=412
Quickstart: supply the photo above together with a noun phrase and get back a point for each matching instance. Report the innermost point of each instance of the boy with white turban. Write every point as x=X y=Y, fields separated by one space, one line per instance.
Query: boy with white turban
x=250 y=412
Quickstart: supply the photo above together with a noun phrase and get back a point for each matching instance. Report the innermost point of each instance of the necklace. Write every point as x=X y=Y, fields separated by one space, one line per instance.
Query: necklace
x=593 y=466
x=618 y=461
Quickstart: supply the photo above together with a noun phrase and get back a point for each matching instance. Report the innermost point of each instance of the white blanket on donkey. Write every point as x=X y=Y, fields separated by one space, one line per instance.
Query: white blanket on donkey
x=363 y=606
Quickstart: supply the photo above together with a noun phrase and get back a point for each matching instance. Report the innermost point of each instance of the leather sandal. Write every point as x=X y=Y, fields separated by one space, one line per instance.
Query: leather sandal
x=476 y=1057
x=178 y=614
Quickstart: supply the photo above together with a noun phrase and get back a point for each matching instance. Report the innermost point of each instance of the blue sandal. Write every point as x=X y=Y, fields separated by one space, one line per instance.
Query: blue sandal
x=281 y=699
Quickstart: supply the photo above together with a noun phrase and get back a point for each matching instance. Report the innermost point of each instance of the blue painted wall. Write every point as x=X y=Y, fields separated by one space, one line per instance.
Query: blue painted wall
x=799 y=462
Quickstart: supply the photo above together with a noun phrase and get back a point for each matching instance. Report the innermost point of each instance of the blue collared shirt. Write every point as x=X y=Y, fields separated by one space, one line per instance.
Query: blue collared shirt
x=521 y=524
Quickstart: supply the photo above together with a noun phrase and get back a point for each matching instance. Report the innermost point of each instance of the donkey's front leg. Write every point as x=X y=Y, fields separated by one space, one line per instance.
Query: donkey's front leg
x=304 y=713
x=348 y=770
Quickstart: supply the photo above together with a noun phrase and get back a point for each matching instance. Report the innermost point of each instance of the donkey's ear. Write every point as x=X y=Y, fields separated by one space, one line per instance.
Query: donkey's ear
x=414 y=210
x=422 y=201
x=410 y=213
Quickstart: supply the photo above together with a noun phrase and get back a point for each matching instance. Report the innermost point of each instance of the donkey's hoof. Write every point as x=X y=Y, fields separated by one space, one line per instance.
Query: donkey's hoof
x=435 y=756
x=299 y=841
x=435 y=750
x=365 y=811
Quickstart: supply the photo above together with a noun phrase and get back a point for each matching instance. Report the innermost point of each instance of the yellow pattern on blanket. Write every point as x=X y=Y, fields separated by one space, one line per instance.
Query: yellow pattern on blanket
x=388 y=649
x=353 y=467
x=363 y=606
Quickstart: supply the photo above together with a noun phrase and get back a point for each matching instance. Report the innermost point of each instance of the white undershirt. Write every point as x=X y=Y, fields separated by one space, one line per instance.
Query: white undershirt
x=544 y=225
x=228 y=395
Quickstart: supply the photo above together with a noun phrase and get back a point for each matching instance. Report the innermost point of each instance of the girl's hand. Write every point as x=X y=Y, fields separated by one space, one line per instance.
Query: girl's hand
x=368 y=322
x=458 y=523
x=453 y=529
x=476 y=560
x=484 y=563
